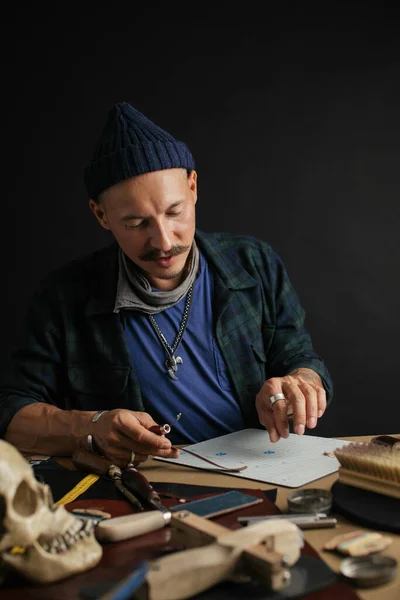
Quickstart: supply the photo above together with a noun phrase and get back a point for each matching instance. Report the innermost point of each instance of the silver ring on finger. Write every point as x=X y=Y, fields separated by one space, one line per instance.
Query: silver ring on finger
x=275 y=398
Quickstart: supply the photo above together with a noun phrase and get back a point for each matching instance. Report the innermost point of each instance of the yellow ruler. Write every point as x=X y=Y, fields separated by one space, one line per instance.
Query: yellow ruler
x=81 y=487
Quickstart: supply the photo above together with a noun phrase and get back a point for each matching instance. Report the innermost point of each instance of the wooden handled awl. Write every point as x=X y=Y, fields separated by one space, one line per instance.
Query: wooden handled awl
x=93 y=463
x=117 y=529
x=129 y=478
x=141 y=487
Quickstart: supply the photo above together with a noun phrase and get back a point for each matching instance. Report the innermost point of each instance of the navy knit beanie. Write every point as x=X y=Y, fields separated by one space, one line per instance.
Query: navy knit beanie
x=131 y=145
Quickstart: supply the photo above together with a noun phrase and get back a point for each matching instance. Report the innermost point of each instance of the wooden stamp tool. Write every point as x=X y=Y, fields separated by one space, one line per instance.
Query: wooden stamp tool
x=264 y=551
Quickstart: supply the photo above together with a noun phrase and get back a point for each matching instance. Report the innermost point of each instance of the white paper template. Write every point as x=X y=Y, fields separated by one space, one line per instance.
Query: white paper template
x=291 y=462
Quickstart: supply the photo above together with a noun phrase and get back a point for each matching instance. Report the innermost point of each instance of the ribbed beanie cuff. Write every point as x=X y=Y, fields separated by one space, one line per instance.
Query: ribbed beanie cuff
x=131 y=145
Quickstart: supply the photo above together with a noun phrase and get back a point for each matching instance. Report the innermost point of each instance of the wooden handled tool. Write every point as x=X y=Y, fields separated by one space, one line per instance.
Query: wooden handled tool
x=122 y=528
x=265 y=550
x=117 y=529
x=130 y=477
x=139 y=485
x=93 y=463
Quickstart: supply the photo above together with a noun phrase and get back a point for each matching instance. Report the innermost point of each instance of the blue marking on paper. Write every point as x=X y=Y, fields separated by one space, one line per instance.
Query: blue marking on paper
x=221 y=454
x=269 y=451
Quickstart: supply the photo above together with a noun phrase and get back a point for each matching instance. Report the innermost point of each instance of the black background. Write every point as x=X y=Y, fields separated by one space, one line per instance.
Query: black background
x=293 y=119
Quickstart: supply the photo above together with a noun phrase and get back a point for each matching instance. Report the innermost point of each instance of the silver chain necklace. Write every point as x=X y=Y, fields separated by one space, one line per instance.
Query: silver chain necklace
x=172 y=363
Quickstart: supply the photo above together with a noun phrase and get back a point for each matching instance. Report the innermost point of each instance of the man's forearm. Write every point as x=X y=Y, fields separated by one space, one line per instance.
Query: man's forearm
x=45 y=429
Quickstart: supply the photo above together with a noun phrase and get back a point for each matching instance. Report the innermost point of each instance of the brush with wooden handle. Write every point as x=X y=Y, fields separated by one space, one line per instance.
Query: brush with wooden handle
x=370 y=465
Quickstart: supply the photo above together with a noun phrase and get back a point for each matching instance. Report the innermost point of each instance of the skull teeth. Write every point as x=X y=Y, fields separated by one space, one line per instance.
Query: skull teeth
x=79 y=530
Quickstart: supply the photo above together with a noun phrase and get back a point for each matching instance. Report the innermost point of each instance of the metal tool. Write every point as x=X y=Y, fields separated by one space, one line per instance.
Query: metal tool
x=166 y=428
x=93 y=463
x=303 y=521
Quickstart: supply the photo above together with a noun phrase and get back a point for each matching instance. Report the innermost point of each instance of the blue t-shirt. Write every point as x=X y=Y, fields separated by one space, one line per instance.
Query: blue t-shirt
x=202 y=392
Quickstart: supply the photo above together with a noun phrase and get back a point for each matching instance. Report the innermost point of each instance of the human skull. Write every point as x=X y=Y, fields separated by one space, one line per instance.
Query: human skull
x=41 y=541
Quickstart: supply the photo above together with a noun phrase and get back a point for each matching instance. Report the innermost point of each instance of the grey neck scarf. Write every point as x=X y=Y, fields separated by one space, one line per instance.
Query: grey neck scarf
x=134 y=291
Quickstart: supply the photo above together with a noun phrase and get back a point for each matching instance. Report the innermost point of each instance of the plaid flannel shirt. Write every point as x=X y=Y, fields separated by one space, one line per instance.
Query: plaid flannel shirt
x=73 y=352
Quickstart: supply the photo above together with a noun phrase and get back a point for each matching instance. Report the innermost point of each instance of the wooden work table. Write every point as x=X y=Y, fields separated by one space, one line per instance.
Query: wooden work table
x=164 y=471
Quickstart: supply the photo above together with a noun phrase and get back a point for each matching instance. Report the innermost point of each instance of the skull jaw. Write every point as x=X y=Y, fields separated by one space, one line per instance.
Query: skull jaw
x=39 y=566
x=25 y=531
x=56 y=543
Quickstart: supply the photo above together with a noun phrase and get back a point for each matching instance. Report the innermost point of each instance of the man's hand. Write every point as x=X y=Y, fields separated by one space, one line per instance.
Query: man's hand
x=120 y=432
x=305 y=397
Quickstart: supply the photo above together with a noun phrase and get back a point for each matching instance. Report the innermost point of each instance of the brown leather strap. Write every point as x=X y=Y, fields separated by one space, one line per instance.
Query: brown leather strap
x=220 y=467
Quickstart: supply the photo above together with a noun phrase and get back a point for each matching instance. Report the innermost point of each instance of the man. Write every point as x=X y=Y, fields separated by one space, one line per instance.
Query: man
x=166 y=321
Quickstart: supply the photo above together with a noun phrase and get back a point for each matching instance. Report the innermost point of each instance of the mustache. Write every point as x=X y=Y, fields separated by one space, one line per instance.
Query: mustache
x=157 y=254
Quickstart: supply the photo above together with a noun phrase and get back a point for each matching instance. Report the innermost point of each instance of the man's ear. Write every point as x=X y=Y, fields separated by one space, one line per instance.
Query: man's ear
x=99 y=212
x=192 y=182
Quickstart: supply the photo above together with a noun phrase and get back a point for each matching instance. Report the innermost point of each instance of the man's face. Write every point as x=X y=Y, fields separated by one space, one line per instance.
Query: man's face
x=152 y=217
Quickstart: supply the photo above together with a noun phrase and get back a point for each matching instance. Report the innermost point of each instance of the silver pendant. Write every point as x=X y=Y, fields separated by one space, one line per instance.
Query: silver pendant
x=172 y=365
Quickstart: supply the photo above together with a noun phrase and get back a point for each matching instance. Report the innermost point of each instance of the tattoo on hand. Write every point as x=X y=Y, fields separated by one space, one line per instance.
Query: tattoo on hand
x=307 y=375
